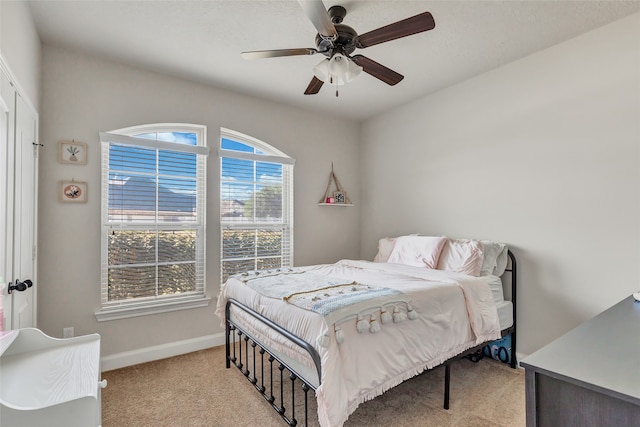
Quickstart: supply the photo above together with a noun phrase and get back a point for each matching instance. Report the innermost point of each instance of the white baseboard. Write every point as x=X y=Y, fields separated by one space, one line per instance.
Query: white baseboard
x=149 y=354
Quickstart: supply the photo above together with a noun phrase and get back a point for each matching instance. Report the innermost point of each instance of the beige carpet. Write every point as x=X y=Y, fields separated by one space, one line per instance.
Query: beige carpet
x=196 y=390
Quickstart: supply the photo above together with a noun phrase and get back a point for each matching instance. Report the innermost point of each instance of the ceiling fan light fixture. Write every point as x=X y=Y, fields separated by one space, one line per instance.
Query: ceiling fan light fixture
x=338 y=67
x=353 y=70
x=321 y=71
x=338 y=70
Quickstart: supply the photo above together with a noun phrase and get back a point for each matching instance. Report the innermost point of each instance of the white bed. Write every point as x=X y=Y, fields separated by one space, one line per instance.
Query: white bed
x=362 y=351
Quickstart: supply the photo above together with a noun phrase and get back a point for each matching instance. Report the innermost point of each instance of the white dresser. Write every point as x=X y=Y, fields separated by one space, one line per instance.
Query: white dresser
x=49 y=381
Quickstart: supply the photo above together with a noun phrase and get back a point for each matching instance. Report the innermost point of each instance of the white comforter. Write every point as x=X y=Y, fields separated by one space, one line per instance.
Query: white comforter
x=455 y=312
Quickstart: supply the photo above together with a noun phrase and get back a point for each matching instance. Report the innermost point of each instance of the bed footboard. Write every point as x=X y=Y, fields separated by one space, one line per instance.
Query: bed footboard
x=267 y=373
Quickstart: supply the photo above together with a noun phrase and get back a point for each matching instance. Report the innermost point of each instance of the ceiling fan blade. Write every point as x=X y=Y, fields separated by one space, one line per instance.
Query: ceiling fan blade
x=314 y=86
x=406 y=27
x=319 y=17
x=259 y=54
x=378 y=71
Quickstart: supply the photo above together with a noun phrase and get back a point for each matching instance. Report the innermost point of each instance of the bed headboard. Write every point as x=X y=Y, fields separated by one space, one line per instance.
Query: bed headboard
x=509 y=278
x=512 y=269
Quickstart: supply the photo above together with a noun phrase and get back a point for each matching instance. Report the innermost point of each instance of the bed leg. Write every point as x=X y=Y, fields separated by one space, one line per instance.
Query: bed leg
x=447 y=383
x=227 y=344
x=305 y=388
x=514 y=362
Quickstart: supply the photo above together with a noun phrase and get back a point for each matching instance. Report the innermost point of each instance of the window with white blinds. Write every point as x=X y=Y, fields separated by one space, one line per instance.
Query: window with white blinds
x=153 y=216
x=256 y=205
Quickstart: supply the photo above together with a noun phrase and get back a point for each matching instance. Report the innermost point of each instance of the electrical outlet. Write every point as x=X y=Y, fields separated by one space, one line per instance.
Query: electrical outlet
x=67 y=332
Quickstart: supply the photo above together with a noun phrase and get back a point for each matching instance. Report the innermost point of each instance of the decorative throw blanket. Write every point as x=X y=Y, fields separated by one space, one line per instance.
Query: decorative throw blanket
x=336 y=300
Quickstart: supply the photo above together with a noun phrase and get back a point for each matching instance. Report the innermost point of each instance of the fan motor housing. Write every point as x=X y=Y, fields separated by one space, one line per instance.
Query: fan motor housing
x=342 y=44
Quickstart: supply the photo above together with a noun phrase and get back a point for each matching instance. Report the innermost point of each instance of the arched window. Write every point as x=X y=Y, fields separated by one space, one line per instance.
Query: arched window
x=153 y=219
x=256 y=205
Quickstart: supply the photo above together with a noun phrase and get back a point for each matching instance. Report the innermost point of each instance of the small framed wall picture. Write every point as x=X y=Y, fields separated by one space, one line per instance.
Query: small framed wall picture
x=72 y=152
x=339 y=196
x=72 y=191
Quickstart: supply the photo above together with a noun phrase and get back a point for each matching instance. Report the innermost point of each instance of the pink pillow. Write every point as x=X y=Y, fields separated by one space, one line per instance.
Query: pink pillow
x=418 y=251
x=461 y=256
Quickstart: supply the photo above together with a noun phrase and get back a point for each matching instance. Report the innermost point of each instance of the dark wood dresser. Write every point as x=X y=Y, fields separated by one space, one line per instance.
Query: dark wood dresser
x=589 y=376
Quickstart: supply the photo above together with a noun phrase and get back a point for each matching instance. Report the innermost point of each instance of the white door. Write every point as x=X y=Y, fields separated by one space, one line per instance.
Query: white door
x=24 y=222
x=5 y=271
x=18 y=198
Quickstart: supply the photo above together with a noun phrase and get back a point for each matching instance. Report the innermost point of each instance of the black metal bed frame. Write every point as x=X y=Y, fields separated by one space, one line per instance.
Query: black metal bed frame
x=236 y=335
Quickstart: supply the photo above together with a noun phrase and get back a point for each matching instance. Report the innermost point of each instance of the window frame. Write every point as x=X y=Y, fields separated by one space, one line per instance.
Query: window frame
x=111 y=310
x=269 y=154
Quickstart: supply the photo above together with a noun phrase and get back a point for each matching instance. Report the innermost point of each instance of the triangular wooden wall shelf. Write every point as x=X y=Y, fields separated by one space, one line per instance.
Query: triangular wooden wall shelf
x=334 y=186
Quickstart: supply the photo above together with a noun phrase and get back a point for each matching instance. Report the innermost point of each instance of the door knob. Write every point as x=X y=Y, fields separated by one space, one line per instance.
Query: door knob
x=20 y=286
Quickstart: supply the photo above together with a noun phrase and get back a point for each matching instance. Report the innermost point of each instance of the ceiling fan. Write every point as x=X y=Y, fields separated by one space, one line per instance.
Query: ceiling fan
x=338 y=41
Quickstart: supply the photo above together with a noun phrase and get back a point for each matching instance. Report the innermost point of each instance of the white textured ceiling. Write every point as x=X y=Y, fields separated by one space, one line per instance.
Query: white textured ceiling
x=202 y=41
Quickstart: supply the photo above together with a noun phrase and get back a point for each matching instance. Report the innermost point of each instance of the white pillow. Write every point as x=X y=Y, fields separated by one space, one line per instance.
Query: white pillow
x=385 y=246
x=418 y=251
x=495 y=258
x=461 y=256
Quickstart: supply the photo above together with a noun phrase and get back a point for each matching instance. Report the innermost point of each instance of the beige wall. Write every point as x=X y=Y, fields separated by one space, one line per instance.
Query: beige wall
x=83 y=96
x=543 y=154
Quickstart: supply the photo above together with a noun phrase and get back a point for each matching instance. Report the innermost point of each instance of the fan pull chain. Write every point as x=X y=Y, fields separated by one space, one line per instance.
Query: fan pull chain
x=331 y=82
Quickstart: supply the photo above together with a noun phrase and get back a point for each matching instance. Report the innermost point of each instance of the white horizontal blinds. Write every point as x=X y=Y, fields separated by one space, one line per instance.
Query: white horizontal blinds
x=255 y=207
x=251 y=191
x=148 y=185
x=153 y=210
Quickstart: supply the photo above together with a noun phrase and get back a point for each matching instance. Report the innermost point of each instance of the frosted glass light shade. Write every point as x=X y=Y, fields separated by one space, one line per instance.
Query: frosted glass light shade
x=337 y=71
x=321 y=71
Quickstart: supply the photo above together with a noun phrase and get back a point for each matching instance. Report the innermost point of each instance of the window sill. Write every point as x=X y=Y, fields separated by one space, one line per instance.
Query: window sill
x=124 y=312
